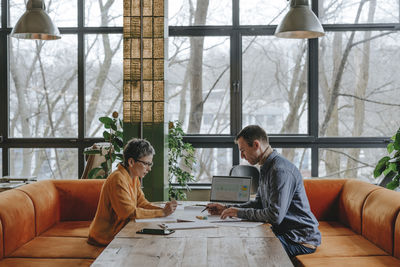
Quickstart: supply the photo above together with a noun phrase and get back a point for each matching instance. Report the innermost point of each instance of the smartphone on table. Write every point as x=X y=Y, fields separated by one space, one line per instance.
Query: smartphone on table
x=151 y=231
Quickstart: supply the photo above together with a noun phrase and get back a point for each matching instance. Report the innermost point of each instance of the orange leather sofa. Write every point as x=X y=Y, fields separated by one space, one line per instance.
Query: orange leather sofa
x=359 y=224
x=47 y=223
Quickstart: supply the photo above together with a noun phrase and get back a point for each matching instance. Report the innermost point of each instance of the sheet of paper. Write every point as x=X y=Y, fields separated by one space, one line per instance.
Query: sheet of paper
x=170 y=218
x=189 y=225
x=246 y=224
x=217 y=218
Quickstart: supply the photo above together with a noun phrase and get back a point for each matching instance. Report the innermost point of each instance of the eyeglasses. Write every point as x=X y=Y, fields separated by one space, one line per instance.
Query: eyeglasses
x=148 y=164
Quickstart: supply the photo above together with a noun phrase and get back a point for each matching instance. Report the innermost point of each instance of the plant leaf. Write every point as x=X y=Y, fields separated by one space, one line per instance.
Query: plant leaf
x=381 y=166
x=92 y=152
x=93 y=172
x=390 y=148
x=106 y=135
x=396 y=143
x=393 y=184
x=106 y=120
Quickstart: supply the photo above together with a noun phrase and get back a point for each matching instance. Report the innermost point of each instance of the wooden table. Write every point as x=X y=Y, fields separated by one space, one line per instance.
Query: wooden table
x=222 y=246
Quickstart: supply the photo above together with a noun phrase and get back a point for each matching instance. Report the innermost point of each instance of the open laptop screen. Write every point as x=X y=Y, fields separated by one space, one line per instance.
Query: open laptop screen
x=235 y=189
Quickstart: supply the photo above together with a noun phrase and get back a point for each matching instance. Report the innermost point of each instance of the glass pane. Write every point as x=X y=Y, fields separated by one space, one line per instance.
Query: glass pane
x=103 y=13
x=103 y=79
x=350 y=163
x=198 y=84
x=193 y=12
x=44 y=163
x=362 y=99
x=62 y=13
x=43 y=88
x=261 y=12
x=301 y=157
x=345 y=11
x=212 y=161
x=275 y=84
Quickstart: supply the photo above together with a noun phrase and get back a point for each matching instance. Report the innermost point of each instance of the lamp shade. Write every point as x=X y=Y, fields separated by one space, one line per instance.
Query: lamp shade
x=35 y=23
x=300 y=22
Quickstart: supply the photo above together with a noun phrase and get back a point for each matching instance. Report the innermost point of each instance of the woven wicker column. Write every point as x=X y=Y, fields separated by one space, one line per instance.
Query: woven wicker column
x=143 y=97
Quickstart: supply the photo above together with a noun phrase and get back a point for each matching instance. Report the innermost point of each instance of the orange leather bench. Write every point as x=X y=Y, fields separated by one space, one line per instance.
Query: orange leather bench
x=359 y=224
x=47 y=223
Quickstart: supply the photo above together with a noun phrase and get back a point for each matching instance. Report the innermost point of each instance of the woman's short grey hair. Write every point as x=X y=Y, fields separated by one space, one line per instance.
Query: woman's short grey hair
x=137 y=148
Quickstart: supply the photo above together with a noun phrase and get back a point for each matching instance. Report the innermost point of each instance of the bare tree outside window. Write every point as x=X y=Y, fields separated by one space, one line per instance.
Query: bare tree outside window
x=358 y=81
x=359 y=93
x=44 y=86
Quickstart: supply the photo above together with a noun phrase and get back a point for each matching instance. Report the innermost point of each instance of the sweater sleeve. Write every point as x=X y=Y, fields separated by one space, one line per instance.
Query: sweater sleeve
x=280 y=196
x=124 y=206
x=144 y=208
x=142 y=201
x=120 y=198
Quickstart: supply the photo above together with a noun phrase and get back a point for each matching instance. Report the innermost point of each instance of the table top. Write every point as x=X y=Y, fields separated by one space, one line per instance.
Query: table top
x=222 y=246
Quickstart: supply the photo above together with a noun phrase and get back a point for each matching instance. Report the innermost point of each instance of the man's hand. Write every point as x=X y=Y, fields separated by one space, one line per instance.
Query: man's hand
x=231 y=212
x=170 y=207
x=215 y=208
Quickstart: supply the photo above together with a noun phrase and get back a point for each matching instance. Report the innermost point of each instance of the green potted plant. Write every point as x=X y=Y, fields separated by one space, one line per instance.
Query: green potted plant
x=389 y=165
x=180 y=162
x=113 y=135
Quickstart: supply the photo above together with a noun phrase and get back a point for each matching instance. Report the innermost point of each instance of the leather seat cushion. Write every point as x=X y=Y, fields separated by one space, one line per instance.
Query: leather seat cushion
x=345 y=246
x=71 y=229
x=368 y=261
x=29 y=262
x=58 y=247
x=331 y=228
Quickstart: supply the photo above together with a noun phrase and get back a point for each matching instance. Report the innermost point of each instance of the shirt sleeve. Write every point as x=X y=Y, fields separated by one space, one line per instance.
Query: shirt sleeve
x=279 y=198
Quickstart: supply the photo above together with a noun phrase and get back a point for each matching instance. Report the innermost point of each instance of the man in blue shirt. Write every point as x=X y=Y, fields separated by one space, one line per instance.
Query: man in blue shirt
x=281 y=198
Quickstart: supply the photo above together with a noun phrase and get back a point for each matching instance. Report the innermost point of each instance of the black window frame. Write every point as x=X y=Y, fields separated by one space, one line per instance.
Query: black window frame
x=235 y=31
x=80 y=142
x=310 y=140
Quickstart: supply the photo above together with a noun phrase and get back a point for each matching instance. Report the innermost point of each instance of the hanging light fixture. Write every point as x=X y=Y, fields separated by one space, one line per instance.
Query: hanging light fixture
x=35 y=23
x=300 y=22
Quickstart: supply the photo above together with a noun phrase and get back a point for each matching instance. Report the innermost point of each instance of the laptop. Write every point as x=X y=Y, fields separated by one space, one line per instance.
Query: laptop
x=230 y=189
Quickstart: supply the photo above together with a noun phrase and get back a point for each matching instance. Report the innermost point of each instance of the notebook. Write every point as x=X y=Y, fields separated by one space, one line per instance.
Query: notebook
x=230 y=189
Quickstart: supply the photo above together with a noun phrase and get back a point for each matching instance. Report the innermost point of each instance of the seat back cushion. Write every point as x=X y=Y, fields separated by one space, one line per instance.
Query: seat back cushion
x=78 y=198
x=323 y=195
x=396 y=249
x=17 y=216
x=379 y=216
x=1 y=242
x=351 y=202
x=45 y=201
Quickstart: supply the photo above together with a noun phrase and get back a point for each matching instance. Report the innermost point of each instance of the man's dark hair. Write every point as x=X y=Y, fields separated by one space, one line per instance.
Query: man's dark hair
x=137 y=148
x=251 y=133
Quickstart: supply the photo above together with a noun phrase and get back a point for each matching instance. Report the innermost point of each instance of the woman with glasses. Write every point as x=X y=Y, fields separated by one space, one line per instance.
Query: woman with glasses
x=121 y=197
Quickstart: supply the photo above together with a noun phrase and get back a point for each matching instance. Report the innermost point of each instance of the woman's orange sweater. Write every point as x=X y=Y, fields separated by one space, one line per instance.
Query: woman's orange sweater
x=121 y=199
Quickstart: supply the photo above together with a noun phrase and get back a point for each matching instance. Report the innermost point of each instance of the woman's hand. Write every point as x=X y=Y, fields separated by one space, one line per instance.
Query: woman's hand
x=170 y=207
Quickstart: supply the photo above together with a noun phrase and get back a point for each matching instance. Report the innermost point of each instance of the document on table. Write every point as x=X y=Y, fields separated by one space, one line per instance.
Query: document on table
x=188 y=225
x=242 y=223
x=170 y=218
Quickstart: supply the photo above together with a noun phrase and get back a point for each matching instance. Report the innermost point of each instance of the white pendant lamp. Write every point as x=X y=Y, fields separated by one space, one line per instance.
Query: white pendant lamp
x=300 y=22
x=35 y=23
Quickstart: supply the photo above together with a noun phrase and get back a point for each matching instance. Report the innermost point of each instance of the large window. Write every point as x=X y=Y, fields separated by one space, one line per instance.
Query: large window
x=53 y=92
x=328 y=104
